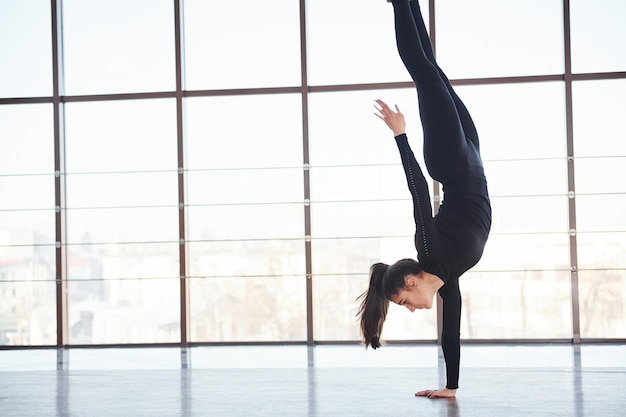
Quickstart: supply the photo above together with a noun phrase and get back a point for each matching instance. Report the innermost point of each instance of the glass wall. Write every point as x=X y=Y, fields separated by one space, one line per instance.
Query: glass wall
x=212 y=172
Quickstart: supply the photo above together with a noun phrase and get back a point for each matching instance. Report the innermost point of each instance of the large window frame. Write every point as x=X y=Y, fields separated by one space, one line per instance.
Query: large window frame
x=58 y=100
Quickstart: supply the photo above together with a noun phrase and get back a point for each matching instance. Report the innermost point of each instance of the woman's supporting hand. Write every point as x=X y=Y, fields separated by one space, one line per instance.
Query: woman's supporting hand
x=439 y=393
x=393 y=119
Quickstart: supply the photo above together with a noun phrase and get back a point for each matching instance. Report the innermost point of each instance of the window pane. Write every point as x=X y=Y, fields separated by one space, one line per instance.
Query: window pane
x=493 y=38
x=262 y=49
x=270 y=307
x=598 y=32
x=602 y=250
x=527 y=178
x=123 y=293
x=602 y=303
x=524 y=252
x=273 y=221
x=39 y=253
x=122 y=225
x=529 y=214
x=600 y=175
x=518 y=121
x=242 y=309
x=529 y=304
x=40 y=193
x=362 y=219
x=246 y=186
x=344 y=123
x=27 y=305
x=353 y=183
x=335 y=307
x=25 y=128
x=122 y=190
x=345 y=256
x=110 y=136
x=25 y=43
x=95 y=262
x=239 y=258
x=602 y=213
x=27 y=227
x=118 y=46
x=118 y=311
x=348 y=44
x=599 y=109
x=241 y=132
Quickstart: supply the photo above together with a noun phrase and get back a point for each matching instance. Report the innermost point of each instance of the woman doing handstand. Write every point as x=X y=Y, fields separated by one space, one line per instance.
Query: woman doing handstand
x=452 y=241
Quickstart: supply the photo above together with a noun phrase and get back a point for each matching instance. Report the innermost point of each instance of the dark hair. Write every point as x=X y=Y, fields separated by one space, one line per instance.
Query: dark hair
x=385 y=281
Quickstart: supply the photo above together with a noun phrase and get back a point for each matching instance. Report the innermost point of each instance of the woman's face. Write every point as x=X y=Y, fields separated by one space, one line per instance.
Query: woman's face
x=411 y=295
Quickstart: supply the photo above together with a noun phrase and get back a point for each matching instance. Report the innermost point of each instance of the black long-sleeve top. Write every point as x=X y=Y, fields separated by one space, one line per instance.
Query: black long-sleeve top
x=449 y=243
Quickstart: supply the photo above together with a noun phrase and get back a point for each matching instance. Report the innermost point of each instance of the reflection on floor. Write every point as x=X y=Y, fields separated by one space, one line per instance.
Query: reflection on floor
x=496 y=380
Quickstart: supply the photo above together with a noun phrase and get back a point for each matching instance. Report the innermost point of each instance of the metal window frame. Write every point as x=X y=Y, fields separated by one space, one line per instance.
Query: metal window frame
x=59 y=173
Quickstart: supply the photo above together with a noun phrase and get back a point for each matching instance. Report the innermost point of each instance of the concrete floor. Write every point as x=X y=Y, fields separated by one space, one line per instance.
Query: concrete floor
x=496 y=380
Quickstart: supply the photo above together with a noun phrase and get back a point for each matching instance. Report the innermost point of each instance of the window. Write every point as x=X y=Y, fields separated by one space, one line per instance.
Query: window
x=249 y=205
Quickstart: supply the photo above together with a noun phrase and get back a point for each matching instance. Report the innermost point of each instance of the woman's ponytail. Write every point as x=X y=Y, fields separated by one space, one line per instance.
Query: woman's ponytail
x=374 y=306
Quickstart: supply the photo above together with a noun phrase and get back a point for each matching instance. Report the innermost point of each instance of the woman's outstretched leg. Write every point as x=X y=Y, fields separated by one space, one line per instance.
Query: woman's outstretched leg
x=466 y=120
x=445 y=148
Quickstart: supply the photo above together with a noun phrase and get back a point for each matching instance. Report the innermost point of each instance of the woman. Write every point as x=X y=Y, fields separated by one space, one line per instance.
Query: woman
x=452 y=241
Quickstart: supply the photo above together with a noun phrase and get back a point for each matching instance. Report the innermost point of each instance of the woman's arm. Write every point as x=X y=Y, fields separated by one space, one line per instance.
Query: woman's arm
x=450 y=340
x=425 y=235
x=451 y=332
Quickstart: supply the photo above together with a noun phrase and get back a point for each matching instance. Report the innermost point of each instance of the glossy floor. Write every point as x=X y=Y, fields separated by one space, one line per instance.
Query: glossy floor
x=496 y=380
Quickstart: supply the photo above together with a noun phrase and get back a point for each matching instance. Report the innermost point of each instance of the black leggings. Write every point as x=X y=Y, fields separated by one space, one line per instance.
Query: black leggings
x=451 y=144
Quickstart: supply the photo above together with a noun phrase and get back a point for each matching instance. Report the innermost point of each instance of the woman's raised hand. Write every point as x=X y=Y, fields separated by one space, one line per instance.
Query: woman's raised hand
x=393 y=119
